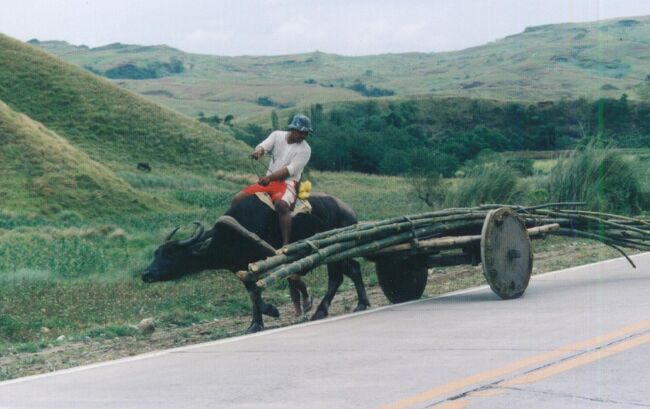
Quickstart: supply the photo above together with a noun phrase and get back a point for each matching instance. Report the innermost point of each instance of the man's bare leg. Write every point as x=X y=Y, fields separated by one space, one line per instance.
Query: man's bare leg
x=284 y=216
x=296 y=288
x=295 y=295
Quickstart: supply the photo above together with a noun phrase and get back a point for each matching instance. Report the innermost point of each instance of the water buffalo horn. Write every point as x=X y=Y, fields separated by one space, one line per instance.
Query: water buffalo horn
x=169 y=237
x=195 y=238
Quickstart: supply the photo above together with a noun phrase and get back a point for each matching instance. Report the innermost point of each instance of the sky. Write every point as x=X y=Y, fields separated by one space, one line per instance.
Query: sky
x=275 y=27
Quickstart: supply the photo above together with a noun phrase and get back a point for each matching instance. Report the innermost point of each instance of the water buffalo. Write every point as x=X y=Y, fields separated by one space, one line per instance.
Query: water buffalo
x=224 y=248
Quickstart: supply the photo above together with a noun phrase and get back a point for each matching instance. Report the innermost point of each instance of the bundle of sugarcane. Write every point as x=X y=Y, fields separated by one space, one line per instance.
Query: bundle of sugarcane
x=445 y=229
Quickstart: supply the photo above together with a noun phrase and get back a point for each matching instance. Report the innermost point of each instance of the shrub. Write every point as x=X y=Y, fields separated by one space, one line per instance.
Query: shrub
x=523 y=166
x=602 y=178
x=491 y=183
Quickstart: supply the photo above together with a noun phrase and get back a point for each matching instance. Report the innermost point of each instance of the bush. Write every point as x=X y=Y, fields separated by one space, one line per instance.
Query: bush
x=523 y=166
x=491 y=183
x=602 y=178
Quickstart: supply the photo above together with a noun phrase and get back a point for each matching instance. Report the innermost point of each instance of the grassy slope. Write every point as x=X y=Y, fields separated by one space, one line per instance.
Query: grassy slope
x=112 y=126
x=42 y=172
x=550 y=62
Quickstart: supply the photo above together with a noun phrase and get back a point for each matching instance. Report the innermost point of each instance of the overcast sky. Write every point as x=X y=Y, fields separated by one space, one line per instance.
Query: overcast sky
x=271 y=27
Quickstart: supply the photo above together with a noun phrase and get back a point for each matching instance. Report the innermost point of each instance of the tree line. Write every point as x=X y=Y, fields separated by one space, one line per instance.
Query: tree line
x=400 y=137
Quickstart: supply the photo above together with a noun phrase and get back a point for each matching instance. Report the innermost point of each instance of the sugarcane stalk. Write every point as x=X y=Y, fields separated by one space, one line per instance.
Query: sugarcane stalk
x=615 y=236
x=603 y=238
x=303 y=262
x=375 y=232
x=322 y=256
x=458 y=241
x=438 y=243
x=360 y=227
x=390 y=235
x=571 y=233
x=528 y=208
x=613 y=216
x=596 y=219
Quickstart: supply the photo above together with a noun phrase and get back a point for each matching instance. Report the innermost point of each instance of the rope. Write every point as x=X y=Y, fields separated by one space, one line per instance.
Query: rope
x=255 y=168
x=312 y=245
x=414 y=241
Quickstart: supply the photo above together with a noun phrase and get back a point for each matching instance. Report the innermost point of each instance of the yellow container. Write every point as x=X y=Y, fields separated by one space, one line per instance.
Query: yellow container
x=305 y=190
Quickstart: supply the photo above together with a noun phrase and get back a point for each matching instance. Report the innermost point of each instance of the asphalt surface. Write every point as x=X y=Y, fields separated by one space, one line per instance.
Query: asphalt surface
x=578 y=338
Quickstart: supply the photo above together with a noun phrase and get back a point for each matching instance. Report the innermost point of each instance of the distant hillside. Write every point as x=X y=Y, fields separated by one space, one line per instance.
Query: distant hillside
x=111 y=125
x=42 y=172
x=552 y=62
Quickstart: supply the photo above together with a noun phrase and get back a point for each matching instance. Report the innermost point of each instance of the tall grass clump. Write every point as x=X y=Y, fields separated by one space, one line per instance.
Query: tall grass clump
x=600 y=177
x=488 y=183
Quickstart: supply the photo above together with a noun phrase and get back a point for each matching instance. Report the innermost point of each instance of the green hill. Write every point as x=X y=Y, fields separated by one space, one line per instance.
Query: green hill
x=113 y=126
x=42 y=172
x=552 y=62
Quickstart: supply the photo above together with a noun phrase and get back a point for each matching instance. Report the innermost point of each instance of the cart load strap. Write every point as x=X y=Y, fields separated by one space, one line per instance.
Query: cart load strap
x=302 y=206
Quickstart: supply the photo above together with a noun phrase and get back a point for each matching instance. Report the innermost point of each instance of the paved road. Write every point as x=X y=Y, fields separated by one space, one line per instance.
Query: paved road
x=579 y=338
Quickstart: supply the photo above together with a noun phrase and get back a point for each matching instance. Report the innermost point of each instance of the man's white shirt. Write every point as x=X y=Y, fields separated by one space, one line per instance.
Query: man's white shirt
x=293 y=156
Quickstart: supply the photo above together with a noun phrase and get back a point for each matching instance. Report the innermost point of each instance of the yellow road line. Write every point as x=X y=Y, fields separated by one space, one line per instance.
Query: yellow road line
x=516 y=366
x=560 y=367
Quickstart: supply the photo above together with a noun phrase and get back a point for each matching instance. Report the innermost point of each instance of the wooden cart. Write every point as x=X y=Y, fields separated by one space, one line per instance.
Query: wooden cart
x=503 y=248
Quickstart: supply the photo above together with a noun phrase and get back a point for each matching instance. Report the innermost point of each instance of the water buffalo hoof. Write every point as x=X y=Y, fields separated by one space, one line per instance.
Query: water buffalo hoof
x=319 y=315
x=255 y=327
x=361 y=307
x=271 y=311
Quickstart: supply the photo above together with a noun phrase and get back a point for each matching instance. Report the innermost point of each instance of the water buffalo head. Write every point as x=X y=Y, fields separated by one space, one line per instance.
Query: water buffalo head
x=174 y=258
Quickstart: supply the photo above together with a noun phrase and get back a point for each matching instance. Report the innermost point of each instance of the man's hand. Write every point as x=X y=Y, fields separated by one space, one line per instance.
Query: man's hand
x=264 y=181
x=257 y=154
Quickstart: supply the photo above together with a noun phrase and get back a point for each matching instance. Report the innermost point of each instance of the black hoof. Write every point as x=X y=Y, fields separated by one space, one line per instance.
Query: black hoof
x=361 y=307
x=271 y=311
x=255 y=327
x=319 y=315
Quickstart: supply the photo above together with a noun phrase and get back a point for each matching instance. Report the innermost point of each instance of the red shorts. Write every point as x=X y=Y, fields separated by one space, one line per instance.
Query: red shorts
x=279 y=191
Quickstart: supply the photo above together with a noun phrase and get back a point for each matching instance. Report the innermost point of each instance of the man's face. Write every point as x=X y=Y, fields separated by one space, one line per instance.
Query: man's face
x=298 y=136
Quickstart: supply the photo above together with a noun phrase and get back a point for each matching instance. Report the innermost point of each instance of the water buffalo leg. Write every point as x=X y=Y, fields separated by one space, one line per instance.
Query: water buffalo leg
x=335 y=278
x=352 y=269
x=257 y=323
x=259 y=308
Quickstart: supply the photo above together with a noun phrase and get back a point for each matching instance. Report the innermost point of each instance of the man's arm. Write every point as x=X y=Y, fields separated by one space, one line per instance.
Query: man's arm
x=280 y=174
x=265 y=146
x=257 y=153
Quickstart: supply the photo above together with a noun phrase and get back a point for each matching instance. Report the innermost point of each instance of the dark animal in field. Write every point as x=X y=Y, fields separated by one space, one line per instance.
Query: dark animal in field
x=224 y=248
x=143 y=166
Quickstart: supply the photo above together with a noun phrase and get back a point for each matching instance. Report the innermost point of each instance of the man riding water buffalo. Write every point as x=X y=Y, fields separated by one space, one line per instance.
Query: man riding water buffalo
x=289 y=155
x=251 y=230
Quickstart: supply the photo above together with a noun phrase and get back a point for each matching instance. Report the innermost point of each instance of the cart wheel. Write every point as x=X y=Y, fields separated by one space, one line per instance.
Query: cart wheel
x=506 y=253
x=401 y=278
